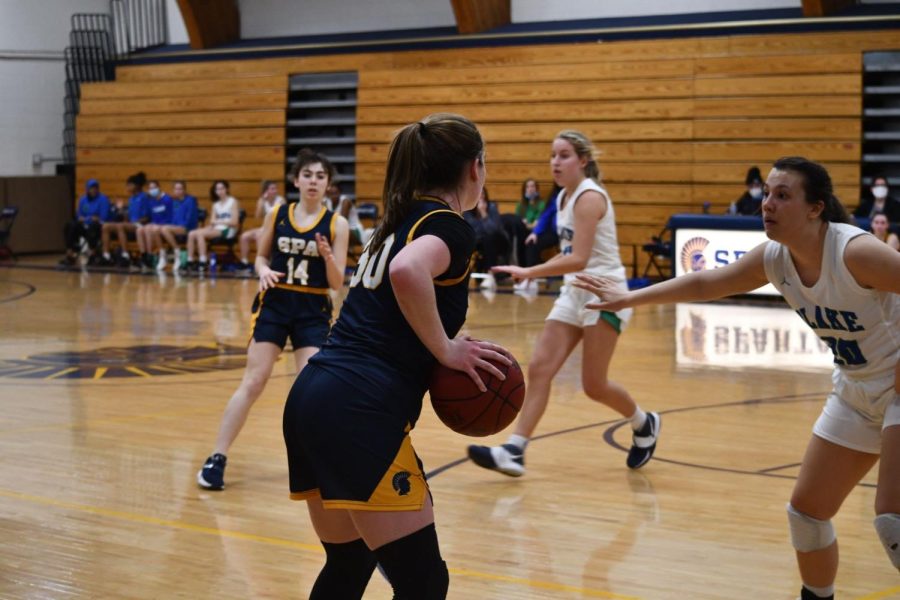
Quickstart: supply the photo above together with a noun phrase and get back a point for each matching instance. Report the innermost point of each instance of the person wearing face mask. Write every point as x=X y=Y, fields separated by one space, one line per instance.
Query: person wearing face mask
x=160 y=207
x=878 y=201
x=750 y=203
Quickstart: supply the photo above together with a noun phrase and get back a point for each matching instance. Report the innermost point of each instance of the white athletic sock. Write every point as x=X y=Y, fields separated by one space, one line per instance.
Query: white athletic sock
x=638 y=418
x=203 y=258
x=821 y=592
x=519 y=441
x=162 y=253
x=106 y=256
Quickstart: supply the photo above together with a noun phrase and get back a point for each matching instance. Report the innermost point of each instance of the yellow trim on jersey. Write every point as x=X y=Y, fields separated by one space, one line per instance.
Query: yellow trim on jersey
x=302 y=288
x=415 y=226
x=449 y=282
x=332 y=226
x=412 y=232
x=311 y=227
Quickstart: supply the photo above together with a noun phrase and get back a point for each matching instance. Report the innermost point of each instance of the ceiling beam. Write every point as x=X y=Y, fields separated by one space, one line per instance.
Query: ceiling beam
x=825 y=8
x=211 y=23
x=475 y=16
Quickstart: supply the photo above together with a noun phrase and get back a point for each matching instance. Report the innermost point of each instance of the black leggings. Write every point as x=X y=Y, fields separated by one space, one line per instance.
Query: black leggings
x=90 y=231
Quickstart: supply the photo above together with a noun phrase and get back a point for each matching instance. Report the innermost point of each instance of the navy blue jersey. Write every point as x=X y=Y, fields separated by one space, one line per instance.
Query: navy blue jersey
x=295 y=253
x=372 y=346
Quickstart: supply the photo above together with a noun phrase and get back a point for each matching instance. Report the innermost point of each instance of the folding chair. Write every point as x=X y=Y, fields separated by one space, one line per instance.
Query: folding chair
x=7 y=218
x=659 y=250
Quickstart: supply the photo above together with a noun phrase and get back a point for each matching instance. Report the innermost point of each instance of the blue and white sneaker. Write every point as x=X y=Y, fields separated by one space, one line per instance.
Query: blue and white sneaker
x=643 y=442
x=508 y=459
x=212 y=475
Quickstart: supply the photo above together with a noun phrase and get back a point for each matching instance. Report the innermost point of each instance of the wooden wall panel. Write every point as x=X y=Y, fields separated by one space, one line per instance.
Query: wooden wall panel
x=678 y=122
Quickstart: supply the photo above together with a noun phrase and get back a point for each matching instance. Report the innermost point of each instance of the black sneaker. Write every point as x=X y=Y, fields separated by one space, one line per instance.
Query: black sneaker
x=508 y=459
x=643 y=442
x=212 y=475
x=202 y=266
x=68 y=261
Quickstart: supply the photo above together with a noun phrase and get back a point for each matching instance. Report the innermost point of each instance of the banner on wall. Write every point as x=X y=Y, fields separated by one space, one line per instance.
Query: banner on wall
x=699 y=249
x=719 y=335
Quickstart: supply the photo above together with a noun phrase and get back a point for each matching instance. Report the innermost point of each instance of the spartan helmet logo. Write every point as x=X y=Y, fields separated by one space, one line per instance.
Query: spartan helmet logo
x=692 y=258
x=401 y=484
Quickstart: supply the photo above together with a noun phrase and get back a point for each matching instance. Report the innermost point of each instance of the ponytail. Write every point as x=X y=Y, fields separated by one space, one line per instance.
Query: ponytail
x=428 y=156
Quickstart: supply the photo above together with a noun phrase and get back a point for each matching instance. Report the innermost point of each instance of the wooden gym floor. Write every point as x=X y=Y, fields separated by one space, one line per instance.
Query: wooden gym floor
x=112 y=386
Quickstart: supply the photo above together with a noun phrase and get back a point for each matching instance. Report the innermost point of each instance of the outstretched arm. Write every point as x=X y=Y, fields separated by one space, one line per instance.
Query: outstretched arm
x=744 y=275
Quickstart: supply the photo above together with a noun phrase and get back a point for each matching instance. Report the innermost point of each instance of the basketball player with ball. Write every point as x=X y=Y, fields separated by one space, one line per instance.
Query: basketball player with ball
x=349 y=414
x=586 y=225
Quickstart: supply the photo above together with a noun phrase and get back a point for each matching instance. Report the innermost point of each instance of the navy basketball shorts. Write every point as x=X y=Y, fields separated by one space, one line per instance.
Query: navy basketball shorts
x=279 y=314
x=351 y=448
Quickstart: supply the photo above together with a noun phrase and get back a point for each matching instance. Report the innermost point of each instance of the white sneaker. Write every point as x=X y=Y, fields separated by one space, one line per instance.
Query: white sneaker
x=489 y=282
x=176 y=262
x=507 y=459
x=161 y=263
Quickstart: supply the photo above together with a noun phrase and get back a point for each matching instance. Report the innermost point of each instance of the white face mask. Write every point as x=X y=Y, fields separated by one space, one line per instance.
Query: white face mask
x=756 y=193
x=880 y=191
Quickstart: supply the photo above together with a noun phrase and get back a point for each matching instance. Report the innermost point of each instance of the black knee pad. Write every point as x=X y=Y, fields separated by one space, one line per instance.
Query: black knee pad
x=348 y=568
x=414 y=566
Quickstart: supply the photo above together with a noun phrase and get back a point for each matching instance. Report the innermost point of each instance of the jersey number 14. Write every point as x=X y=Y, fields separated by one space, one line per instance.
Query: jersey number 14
x=298 y=276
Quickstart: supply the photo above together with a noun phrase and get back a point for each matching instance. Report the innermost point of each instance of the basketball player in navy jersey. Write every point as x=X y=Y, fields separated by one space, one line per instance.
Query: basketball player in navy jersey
x=844 y=283
x=348 y=418
x=302 y=254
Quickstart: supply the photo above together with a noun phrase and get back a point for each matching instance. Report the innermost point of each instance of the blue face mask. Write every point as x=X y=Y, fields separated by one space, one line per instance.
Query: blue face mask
x=153 y=192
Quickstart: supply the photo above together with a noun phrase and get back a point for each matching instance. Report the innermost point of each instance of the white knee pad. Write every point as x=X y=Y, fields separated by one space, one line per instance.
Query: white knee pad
x=809 y=534
x=888 y=528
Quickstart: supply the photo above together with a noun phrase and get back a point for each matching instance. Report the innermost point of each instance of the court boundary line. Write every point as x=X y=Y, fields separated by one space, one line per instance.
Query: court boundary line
x=30 y=289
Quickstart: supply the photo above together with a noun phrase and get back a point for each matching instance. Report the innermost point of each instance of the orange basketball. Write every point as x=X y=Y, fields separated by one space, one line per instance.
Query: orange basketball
x=465 y=409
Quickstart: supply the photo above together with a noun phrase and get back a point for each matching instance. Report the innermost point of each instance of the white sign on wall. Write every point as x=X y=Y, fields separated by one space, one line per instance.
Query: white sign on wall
x=721 y=335
x=700 y=249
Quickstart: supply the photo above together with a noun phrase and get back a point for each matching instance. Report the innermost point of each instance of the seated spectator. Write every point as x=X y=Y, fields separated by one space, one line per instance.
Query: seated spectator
x=750 y=203
x=520 y=224
x=93 y=211
x=184 y=220
x=223 y=224
x=880 y=230
x=490 y=238
x=137 y=215
x=268 y=201
x=160 y=208
x=878 y=200
x=543 y=236
x=346 y=207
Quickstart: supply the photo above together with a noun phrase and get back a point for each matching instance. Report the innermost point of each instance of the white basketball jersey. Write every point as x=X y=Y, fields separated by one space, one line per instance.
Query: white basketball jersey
x=270 y=207
x=861 y=326
x=223 y=209
x=604 y=259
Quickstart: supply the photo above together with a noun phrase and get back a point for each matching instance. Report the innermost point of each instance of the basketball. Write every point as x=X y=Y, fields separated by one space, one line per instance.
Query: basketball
x=462 y=407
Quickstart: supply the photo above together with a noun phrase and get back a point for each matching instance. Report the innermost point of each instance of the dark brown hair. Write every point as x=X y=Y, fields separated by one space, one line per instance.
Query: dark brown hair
x=430 y=155
x=817 y=186
x=308 y=157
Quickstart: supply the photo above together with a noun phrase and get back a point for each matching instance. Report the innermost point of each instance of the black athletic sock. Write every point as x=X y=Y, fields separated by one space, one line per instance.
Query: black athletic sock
x=414 y=566
x=348 y=568
x=805 y=594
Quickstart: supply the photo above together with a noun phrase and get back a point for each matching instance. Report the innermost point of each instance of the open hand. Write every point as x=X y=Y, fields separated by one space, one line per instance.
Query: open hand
x=517 y=273
x=466 y=354
x=612 y=296
x=268 y=278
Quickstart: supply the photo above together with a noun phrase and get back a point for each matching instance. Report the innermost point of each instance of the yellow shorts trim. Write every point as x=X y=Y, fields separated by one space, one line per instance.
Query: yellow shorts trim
x=305 y=495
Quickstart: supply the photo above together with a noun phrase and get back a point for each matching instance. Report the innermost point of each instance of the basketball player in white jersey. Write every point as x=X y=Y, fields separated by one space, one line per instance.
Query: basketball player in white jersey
x=843 y=283
x=586 y=224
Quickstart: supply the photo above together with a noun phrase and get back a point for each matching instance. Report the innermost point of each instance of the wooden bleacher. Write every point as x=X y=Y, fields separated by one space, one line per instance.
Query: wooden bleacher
x=678 y=121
